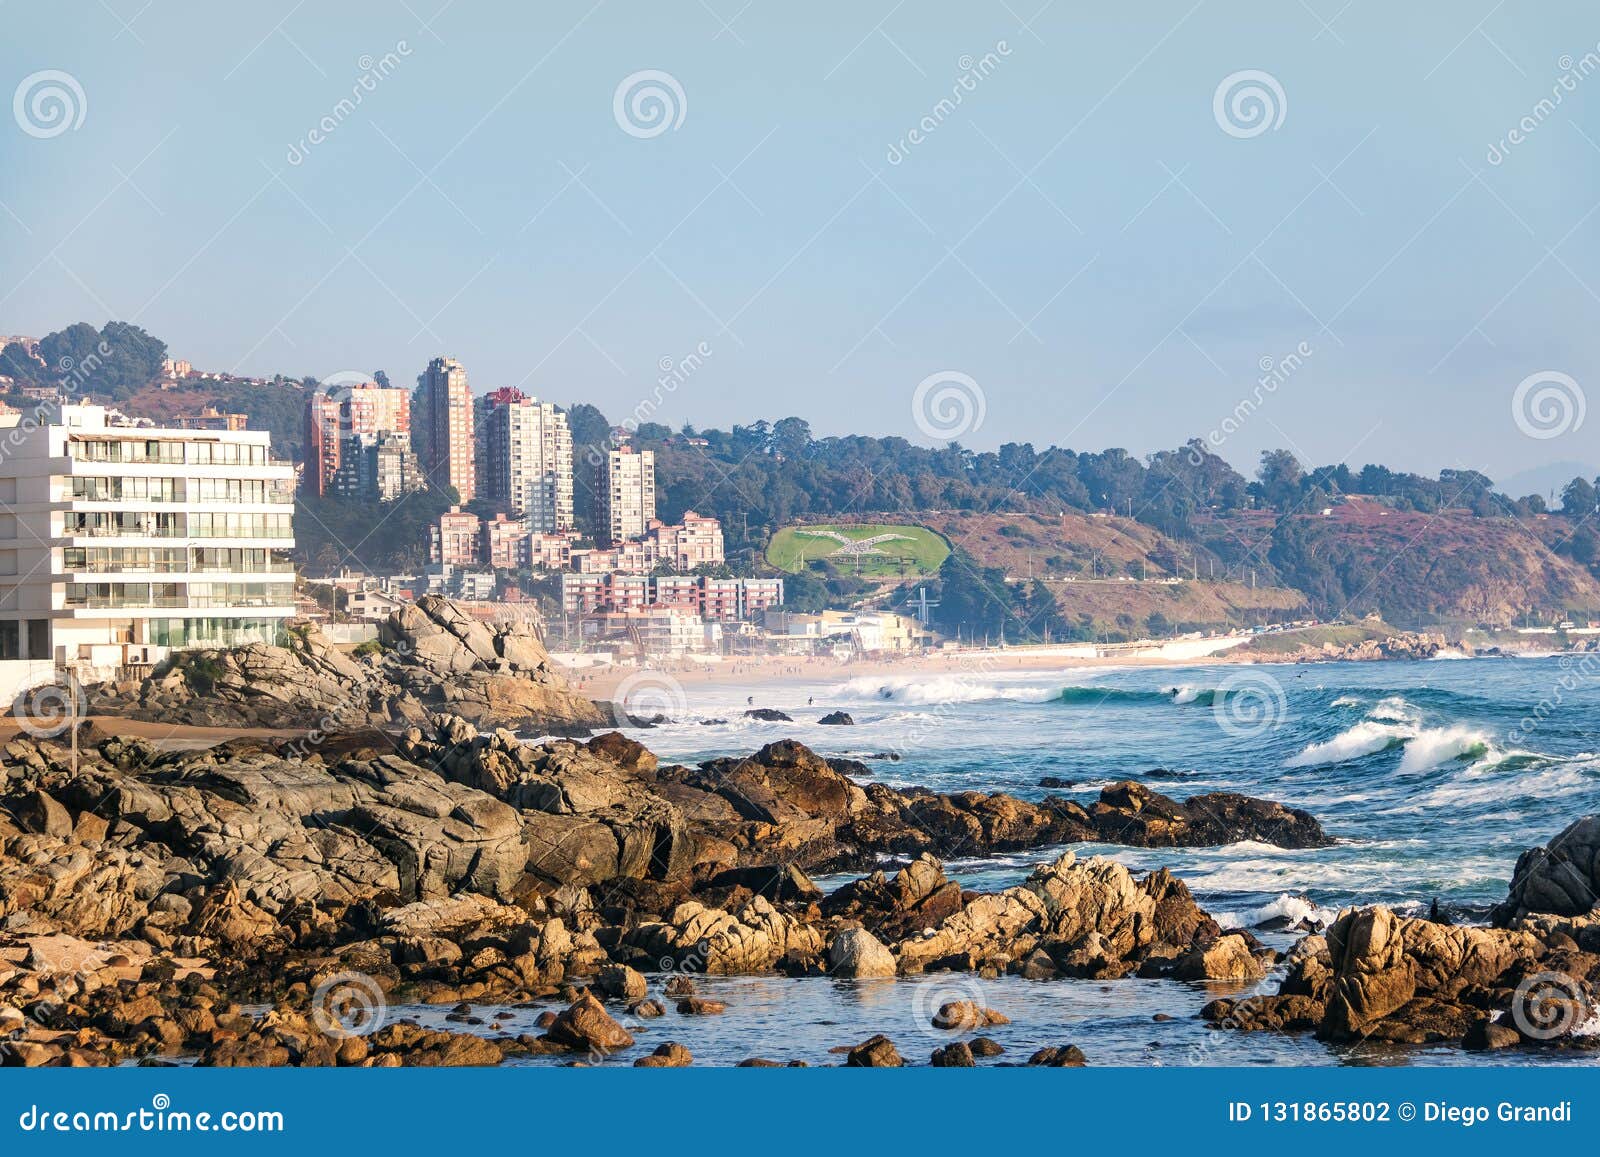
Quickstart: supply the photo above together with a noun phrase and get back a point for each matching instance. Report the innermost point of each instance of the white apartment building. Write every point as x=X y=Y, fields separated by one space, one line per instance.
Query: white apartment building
x=525 y=460
x=627 y=493
x=118 y=544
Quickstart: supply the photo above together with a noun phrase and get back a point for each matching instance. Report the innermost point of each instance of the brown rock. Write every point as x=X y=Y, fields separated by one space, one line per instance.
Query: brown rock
x=877 y=1052
x=957 y=1055
x=587 y=1027
x=667 y=1055
x=1064 y=1057
x=966 y=1015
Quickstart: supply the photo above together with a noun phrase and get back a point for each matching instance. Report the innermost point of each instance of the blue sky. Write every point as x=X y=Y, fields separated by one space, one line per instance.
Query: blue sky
x=1080 y=236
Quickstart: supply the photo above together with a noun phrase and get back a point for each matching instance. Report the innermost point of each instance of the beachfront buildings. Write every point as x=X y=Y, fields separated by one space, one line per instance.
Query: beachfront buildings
x=696 y=541
x=525 y=460
x=714 y=600
x=653 y=632
x=504 y=542
x=456 y=539
x=377 y=468
x=441 y=430
x=627 y=493
x=118 y=544
x=549 y=552
x=337 y=413
x=829 y=632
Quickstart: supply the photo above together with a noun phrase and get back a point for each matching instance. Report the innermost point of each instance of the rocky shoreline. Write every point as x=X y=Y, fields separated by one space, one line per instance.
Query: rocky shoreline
x=430 y=656
x=264 y=902
x=148 y=899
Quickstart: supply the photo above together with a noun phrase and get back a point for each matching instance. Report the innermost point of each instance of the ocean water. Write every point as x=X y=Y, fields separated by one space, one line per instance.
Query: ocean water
x=1433 y=777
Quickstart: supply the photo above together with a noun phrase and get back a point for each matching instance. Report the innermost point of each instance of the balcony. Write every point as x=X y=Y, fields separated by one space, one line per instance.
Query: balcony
x=275 y=494
x=154 y=530
x=122 y=530
x=275 y=566
x=126 y=603
x=123 y=602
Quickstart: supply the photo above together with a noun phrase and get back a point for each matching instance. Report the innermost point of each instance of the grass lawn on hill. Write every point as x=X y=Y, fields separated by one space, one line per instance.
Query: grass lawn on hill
x=914 y=551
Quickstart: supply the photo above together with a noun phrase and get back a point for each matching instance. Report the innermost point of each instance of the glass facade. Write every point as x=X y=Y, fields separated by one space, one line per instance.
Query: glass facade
x=93 y=488
x=220 y=525
x=166 y=451
x=214 y=632
x=189 y=596
x=173 y=560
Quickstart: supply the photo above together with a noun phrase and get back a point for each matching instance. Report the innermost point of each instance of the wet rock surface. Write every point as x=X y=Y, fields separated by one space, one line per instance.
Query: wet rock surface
x=1529 y=981
x=148 y=899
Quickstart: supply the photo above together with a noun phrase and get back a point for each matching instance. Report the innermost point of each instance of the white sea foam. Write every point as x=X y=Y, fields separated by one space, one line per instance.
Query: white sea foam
x=1363 y=739
x=1468 y=790
x=1187 y=693
x=1346 y=701
x=1425 y=747
x=1394 y=709
x=940 y=689
x=1436 y=745
x=1288 y=906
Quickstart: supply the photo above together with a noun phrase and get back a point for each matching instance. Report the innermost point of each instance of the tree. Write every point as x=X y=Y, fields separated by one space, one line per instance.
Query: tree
x=791 y=436
x=1579 y=499
x=1112 y=477
x=20 y=365
x=591 y=440
x=1280 y=476
x=804 y=592
x=975 y=600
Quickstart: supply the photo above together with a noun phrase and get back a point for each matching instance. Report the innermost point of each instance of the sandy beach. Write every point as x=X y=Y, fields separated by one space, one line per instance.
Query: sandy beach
x=601 y=682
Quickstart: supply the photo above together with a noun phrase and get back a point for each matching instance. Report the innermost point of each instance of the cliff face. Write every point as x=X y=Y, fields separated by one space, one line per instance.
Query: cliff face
x=435 y=657
x=1411 y=566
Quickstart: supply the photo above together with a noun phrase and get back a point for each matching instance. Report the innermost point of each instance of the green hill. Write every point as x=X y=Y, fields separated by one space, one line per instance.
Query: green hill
x=875 y=550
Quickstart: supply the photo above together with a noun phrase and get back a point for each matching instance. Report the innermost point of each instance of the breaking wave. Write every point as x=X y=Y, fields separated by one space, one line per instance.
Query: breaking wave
x=1436 y=745
x=940 y=689
x=1394 y=709
x=1292 y=910
x=1366 y=738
